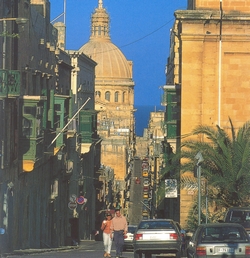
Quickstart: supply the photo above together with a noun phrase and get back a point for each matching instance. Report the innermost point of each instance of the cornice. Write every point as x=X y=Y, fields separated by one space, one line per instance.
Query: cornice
x=210 y=15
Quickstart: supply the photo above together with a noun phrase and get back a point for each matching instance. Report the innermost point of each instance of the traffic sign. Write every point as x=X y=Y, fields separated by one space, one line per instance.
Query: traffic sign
x=72 y=205
x=80 y=200
x=72 y=198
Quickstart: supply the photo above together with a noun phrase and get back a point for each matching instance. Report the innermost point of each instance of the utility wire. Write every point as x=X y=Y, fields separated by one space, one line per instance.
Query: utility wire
x=147 y=35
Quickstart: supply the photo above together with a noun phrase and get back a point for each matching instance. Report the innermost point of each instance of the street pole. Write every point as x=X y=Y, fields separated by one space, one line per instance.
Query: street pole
x=199 y=161
x=206 y=204
x=199 y=194
x=4 y=43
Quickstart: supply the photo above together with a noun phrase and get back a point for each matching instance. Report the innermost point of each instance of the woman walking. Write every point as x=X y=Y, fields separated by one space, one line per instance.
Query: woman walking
x=107 y=235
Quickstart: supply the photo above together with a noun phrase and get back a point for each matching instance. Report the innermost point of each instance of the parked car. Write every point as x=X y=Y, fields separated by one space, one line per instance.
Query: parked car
x=219 y=240
x=239 y=215
x=144 y=165
x=145 y=195
x=157 y=236
x=128 y=238
x=145 y=182
x=145 y=213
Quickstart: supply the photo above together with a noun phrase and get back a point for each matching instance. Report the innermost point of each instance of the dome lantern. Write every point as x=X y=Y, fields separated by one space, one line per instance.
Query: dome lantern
x=111 y=63
x=100 y=23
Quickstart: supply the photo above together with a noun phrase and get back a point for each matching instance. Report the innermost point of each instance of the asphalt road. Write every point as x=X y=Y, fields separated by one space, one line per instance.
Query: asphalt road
x=86 y=249
x=135 y=211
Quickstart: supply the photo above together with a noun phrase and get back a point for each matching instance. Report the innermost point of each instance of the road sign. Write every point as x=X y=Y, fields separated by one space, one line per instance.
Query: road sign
x=80 y=200
x=72 y=205
x=72 y=198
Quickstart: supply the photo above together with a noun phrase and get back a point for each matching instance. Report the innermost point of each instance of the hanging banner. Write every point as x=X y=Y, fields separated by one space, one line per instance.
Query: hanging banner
x=171 y=188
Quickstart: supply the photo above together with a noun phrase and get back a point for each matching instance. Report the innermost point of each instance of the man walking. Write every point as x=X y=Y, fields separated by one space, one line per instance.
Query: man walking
x=119 y=226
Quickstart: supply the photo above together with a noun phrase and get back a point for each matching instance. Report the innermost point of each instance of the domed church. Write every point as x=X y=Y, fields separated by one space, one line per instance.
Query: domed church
x=114 y=95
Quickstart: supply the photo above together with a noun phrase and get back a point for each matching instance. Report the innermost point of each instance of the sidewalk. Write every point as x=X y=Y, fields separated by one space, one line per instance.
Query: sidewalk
x=84 y=245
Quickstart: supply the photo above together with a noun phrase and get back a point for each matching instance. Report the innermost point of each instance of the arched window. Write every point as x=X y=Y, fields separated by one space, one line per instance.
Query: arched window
x=107 y=95
x=95 y=30
x=98 y=94
x=123 y=96
x=116 y=96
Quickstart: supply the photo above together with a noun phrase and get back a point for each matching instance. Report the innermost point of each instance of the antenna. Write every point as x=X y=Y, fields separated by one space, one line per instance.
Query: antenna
x=62 y=14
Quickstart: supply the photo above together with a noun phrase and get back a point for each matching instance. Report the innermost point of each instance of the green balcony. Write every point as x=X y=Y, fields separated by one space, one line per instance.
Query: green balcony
x=9 y=83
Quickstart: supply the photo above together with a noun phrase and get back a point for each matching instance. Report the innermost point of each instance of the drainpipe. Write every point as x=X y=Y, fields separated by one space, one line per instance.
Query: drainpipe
x=219 y=72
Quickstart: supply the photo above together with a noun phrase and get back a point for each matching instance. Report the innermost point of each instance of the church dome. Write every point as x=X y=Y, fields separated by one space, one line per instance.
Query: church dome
x=111 y=62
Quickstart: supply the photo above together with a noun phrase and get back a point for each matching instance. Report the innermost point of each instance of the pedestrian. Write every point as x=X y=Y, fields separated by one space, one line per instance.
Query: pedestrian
x=119 y=227
x=107 y=235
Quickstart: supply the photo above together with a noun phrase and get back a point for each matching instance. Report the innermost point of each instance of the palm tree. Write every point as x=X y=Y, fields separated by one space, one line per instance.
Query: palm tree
x=226 y=165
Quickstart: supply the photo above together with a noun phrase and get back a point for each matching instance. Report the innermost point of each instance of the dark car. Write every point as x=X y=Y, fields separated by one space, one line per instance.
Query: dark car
x=157 y=236
x=128 y=238
x=239 y=215
x=219 y=240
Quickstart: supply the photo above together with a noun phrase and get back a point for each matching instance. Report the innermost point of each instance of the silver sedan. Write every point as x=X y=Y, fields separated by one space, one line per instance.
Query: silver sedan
x=217 y=240
x=157 y=236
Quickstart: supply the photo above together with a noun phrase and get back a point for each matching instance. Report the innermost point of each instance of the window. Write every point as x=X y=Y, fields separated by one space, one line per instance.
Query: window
x=27 y=127
x=57 y=107
x=116 y=96
x=57 y=121
x=32 y=121
x=98 y=94
x=95 y=29
x=29 y=110
x=107 y=95
x=123 y=96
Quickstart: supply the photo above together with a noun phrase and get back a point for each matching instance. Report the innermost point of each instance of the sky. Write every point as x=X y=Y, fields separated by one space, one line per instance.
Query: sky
x=139 y=28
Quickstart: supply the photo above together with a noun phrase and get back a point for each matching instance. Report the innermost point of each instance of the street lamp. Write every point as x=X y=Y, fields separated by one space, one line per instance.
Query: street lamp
x=19 y=21
x=199 y=161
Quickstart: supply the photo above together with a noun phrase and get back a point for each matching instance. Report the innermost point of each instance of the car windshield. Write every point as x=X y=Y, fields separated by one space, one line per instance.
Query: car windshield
x=223 y=234
x=156 y=225
x=242 y=217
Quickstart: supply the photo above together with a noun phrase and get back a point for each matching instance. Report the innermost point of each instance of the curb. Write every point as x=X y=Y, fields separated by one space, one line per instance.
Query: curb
x=33 y=251
x=47 y=250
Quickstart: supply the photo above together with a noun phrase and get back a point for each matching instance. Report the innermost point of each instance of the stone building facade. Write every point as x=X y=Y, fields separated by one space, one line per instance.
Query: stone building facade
x=49 y=156
x=208 y=69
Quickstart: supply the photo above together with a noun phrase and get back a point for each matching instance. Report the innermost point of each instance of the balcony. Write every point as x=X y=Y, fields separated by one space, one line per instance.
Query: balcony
x=9 y=83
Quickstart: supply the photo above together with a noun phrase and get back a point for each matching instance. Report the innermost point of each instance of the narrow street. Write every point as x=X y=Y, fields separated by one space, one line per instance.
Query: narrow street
x=87 y=249
x=135 y=211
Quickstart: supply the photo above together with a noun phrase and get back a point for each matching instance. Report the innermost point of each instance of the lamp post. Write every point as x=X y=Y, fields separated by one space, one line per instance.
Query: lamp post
x=199 y=161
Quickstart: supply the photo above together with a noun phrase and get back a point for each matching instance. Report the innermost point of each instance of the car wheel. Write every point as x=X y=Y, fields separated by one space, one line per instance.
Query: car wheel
x=137 y=255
